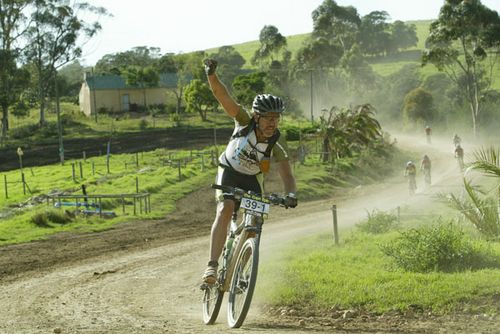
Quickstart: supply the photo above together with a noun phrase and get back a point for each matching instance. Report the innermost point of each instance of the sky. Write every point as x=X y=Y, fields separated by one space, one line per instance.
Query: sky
x=180 y=26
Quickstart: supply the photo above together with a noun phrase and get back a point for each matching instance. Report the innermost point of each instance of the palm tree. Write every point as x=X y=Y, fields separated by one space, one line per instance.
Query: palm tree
x=347 y=131
x=480 y=208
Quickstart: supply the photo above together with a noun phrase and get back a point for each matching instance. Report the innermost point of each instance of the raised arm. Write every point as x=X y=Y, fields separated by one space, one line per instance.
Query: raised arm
x=219 y=89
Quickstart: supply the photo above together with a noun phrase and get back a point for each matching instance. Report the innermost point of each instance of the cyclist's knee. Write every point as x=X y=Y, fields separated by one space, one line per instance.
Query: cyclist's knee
x=225 y=209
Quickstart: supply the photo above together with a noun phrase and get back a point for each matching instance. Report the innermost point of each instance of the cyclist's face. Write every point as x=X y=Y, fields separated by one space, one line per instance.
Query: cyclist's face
x=268 y=123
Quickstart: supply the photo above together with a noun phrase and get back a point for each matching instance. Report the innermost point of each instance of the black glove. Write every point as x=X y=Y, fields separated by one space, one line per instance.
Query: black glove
x=290 y=201
x=210 y=66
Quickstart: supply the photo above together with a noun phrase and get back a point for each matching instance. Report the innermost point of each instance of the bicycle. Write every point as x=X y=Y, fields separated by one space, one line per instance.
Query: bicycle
x=240 y=258
x=412 y=184
x=427 y=176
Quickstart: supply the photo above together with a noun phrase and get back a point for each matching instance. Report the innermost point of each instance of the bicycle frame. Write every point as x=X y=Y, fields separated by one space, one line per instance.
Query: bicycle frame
x=249 y=224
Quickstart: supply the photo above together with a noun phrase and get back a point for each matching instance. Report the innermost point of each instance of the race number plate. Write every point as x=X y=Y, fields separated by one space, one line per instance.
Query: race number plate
x=252 y=204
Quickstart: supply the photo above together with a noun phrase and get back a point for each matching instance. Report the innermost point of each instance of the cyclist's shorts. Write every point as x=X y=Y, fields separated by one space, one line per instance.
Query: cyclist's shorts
x=227 y=176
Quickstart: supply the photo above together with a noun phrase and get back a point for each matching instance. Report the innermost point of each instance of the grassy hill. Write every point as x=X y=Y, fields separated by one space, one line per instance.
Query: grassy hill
x=381 y=65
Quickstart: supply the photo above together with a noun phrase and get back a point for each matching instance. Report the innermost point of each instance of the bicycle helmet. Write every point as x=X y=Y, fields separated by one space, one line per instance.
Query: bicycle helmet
x=409 y=163
x=264 y=103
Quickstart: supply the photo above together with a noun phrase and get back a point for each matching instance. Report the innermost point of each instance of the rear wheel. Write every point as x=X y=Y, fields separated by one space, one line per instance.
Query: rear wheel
x=243 y=283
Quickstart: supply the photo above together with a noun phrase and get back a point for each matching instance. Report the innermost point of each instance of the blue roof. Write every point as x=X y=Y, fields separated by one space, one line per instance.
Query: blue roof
x=113 y=81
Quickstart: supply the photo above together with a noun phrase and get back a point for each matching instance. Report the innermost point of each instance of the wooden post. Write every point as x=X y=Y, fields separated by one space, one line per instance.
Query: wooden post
x=335 y=228
x=73 y=171
x=93 y=168
x=84 y=156
x=81 y=169
x=179 y=167
x=135 y=209
x=108 y=152
x=24 y=183
x=137 y=184
x=137 y=160
x=123 y=204
x=100 y=207
x=5 y=182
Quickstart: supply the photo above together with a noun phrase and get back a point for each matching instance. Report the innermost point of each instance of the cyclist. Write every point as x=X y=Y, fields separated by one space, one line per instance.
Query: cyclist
x=428 y=133
x=456 y=140
x=246 y=157
x=411 y=173
x=459 y=155
x=425 y=166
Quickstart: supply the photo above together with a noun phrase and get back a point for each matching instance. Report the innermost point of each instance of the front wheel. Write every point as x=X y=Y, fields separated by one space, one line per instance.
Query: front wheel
x=243 y=283
x=212 y=300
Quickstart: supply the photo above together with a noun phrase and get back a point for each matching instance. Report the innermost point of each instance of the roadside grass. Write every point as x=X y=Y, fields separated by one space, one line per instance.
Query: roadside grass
x=316 y=275
x=357 y=275
x=155 y=172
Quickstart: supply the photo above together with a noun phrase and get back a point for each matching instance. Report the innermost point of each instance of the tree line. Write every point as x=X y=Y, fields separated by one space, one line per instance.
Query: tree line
x=332 y=68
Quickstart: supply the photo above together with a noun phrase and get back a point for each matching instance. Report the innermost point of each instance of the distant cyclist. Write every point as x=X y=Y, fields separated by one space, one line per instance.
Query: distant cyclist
x=411 y=173
x=456 y=140
x=425 y=167
x=428 y=133
x=459 y=155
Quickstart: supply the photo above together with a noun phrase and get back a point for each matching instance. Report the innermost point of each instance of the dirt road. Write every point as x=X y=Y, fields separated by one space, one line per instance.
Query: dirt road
x=152 y=287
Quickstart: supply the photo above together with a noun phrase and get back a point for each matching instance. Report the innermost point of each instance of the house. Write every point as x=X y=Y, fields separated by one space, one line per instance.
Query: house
x=110 y=93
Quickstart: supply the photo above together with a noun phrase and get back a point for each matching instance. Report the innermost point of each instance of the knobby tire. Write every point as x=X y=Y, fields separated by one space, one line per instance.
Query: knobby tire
x=243 y=283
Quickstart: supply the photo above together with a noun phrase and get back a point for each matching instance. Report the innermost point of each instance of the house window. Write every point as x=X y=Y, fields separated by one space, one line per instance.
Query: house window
x=125 y=102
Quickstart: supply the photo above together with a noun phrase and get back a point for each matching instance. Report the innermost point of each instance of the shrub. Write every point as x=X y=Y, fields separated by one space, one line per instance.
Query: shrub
x=58 y=217
x=40 y=220
x=43 y=219
x=143 y=124
x=442 y=247
x=378 y=222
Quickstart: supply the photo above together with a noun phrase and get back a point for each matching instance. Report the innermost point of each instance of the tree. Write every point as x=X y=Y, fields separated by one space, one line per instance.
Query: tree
x=188 y=68
x=480 y=207
x=403 y=36
x=245 y=87
x=462 y=39
x=373 y=35
x=139 y=56
x=230 y=63
x=12 y=82
x=419 y=106
x=199 y=98
x=142 y=77
x=336 y=23
x=54 y=38
x=12 y=28
x=347 y=131
x=70 y=79
x=271 y=43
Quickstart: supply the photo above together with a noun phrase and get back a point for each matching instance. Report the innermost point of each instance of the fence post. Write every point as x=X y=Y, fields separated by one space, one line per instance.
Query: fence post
x=5 y=181
x=84 y=156
x=108 y=152
x=137 y=184
x=93 y=168
x=137 y=159
x=73 y=171
x=179 y=167
x=335 y=228
x=81 y=169
x=24 y=183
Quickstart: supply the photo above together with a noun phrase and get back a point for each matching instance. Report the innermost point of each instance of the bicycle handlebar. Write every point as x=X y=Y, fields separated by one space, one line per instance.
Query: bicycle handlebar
x=238 y=193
